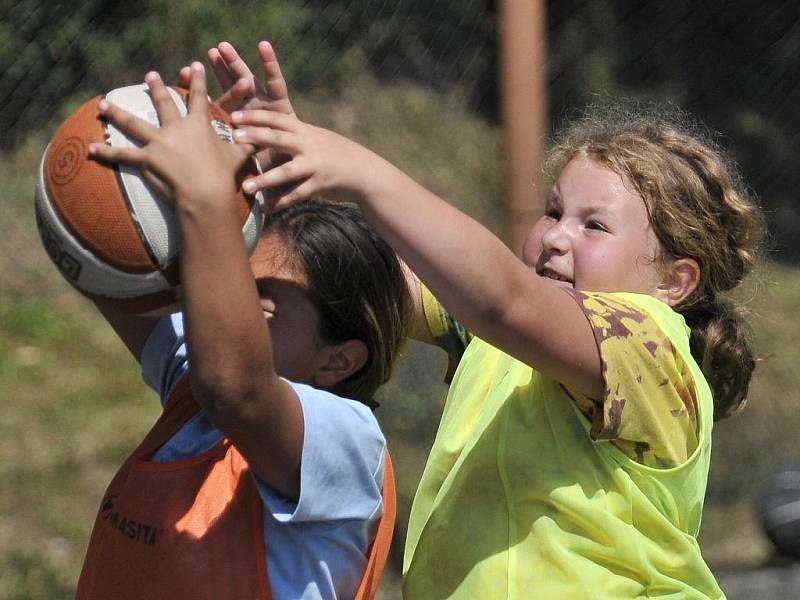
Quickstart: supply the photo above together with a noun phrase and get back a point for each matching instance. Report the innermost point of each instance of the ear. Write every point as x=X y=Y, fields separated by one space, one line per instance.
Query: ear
x=342 y=360
x=681 y=278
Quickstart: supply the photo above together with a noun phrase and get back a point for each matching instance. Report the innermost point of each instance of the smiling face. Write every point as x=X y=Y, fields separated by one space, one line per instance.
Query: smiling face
x=595 y=234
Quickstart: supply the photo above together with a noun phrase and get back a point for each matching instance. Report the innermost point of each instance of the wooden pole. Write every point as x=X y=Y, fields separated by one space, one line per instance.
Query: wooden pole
x=523 y=89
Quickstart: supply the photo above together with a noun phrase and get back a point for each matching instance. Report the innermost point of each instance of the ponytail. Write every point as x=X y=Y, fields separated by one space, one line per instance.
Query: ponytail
x=719 y=343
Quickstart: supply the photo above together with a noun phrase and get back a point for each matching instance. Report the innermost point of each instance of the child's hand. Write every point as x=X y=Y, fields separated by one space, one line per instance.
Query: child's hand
x=241 y=90
x=184 y=157
x=321 y=161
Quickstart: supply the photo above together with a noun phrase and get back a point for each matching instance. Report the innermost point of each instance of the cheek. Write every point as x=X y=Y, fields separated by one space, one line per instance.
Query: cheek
x=532 y=247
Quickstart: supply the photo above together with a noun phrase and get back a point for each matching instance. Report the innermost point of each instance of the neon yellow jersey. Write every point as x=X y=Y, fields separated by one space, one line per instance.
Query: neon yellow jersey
x=523 y=496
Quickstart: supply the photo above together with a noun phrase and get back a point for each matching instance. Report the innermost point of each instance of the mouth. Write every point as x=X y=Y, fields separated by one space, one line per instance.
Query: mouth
x=553 y=276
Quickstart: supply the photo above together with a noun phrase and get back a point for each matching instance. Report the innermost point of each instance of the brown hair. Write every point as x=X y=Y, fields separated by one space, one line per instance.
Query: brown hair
x=356 y=282
x=698 y=207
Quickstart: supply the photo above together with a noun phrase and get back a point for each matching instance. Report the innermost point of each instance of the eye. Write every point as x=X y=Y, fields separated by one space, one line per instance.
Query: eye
x=596 y=226
x=551 y=212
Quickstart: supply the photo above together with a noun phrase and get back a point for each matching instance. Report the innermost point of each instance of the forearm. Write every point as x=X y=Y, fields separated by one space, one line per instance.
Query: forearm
x=466 y=266
x=228 y=341
x=475 y=276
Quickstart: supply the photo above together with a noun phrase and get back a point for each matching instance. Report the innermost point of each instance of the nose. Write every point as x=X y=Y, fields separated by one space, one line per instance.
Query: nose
x=555 y=239
x=547 y=238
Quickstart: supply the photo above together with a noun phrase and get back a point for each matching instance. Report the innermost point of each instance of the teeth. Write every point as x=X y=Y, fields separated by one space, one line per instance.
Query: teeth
x=553 y=275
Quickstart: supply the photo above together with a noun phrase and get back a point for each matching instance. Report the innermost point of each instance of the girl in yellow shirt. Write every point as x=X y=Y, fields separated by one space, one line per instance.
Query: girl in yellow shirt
x=573 y=452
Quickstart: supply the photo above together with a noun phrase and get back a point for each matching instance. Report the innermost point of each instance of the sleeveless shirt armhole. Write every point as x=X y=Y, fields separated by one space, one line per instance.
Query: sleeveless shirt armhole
x=342 y=452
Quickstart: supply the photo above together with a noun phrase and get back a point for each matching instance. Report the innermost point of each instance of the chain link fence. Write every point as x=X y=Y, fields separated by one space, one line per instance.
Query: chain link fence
x=731 y=63
x=417 y=81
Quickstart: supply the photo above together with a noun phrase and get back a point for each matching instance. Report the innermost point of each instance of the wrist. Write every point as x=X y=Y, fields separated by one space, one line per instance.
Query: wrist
x=212 y=198
x=375 y=180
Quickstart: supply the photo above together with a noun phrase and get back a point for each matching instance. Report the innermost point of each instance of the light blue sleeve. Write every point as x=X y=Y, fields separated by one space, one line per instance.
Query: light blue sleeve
x=164 y=360
x=324 y=536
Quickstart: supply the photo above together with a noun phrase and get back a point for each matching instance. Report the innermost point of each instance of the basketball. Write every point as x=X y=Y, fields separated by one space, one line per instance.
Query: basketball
x=103 y=226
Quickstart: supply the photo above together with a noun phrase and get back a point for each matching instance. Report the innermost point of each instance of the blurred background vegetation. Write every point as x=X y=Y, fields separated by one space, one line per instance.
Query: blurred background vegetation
x=416 y=81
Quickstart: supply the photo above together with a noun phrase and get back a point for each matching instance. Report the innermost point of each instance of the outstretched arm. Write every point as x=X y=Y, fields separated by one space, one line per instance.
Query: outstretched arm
x=229 y=344
x=481 y=282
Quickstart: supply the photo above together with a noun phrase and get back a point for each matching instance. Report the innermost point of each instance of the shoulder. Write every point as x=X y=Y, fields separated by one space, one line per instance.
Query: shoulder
x=617 y=313
x=342 y=463
x=345 y=418
x=652 y=326
x=655 y=395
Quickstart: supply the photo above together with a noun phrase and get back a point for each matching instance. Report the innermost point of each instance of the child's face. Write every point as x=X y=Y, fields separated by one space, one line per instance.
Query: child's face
x=595 y=234
x=290 y=313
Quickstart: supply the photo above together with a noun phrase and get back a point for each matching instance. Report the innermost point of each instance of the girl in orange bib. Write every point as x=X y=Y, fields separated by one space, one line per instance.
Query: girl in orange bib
x=267 y=474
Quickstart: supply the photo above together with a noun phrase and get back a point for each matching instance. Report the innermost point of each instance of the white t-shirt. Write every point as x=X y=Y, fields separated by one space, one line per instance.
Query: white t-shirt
x=316 y=547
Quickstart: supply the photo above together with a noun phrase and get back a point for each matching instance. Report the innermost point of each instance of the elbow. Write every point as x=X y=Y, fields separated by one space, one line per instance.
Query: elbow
x=497 y=305
x=489 y=316
x=225 y=398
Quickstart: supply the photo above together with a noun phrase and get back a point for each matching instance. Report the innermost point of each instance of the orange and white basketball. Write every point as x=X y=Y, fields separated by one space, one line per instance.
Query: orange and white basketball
x=104 y=227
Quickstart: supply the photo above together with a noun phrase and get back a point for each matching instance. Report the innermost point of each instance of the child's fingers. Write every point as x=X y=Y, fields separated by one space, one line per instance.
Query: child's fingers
x=242 y=152
x=162 y=100
x=220 y=69
x=289 y=172
x=198 y=93
x=279 y=141
x=184 y=77
x=274 y=82
x=235 y=77
x=293 y=194
x=127 y=155
x=127 y=122
x=237 y=68
x=237 y=95
x=266 y=118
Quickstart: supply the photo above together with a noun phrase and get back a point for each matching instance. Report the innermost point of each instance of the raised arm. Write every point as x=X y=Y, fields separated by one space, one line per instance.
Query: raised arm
x=229 y=344
x=482 y=283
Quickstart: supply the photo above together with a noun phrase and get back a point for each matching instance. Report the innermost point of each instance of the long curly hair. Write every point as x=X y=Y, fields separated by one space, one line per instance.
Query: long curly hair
x=698 y=207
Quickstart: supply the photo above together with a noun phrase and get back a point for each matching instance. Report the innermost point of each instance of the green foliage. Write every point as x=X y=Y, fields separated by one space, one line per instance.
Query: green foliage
x=59 y=55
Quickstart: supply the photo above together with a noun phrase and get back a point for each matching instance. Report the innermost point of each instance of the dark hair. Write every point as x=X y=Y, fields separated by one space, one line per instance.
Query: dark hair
x=356 y=282
x=698 y=207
